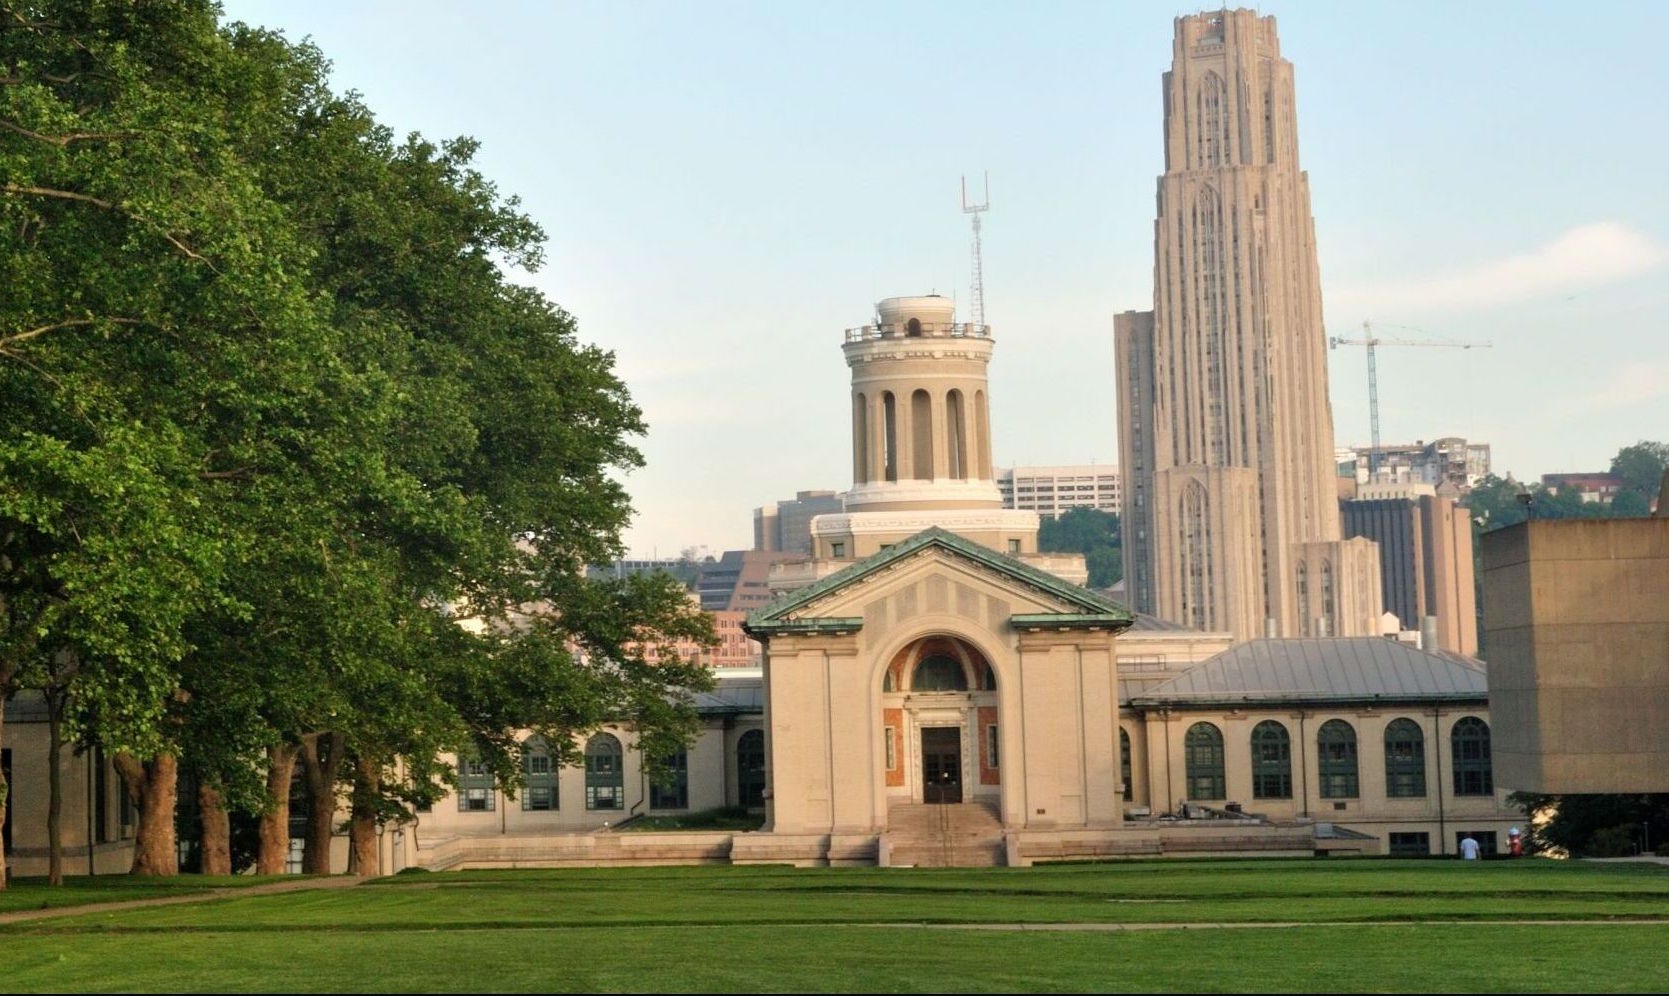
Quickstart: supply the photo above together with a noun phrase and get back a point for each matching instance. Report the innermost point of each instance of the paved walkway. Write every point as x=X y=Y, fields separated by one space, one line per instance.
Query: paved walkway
x=297 y=884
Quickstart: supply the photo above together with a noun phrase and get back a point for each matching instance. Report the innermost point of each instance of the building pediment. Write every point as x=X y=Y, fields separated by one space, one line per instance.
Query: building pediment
x=934 y=559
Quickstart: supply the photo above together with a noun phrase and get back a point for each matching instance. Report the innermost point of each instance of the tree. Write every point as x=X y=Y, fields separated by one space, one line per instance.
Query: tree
x=1641 y=468
x=1091 y=532
x=1591 y=824
x=283 y=426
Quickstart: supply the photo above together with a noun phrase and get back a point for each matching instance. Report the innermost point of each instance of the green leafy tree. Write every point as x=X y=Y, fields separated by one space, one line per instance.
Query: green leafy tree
x=298 y=473
x=1641 y=467
x=1091 y=532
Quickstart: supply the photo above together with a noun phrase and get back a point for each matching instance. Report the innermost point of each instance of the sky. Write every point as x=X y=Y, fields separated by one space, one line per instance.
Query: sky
x=727 y=186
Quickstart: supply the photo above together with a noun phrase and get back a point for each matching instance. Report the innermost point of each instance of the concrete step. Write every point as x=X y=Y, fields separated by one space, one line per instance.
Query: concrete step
x=961 y=835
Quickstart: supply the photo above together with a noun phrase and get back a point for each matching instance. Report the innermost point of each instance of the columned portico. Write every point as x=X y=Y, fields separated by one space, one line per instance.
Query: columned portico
x=940 y=671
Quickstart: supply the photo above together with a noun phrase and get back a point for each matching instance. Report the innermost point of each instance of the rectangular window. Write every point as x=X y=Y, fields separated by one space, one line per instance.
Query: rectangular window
x=1410 y=844
x=892 y=750
x=1485 y=839
x=837 y=550
x=1014 y=547
x=671 y=790
x=475 y=787
x=991 y=746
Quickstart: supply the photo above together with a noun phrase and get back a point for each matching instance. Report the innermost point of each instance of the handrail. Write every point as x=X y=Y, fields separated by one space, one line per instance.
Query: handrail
x=950 y=330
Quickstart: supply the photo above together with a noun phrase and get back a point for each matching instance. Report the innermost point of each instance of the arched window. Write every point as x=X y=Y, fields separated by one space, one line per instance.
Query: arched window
x=889 y=437
x=1194 y=527
x=939 y=673
x=860 y=439
x=912 y=327
x=1304 y=620
x=1469 y=743
x=1124 y=763
x=921 y=436
x=750 y=769
x=1336 y=746
x=989 y=682
x=887 y=683
x=537 y=766
x=670 y=787
x=956 y=435
x=1203 y=747
x=1271 y=761
x=1405 y=760
x=605 y=775
x=1213 y=122
x=1329 y=611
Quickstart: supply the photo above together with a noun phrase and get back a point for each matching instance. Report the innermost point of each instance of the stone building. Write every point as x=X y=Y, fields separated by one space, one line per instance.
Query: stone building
x=1226 y=437
x=1054 y=491
x=1425 y=561
x=1576 y=614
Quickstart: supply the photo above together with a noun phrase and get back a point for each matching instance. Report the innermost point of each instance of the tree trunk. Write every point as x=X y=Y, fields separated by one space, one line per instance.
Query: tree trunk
x=321 y=758
x=5 y=787
x=217 y=831
x=275 y=822
x=54 y=789
x=152 y=786
x=362 y=833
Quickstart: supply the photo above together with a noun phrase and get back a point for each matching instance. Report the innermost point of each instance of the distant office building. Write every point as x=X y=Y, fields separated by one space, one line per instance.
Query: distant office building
x=1593 y=487
x=736 y=581
x=785 y=526
x=733 y=649
x=1425 y=560
x=1452 y=465
x=683 y=570
x=1053 y=490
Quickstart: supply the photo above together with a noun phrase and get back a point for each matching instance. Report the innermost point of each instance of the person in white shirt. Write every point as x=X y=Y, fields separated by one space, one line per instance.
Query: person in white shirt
x=1468 y=849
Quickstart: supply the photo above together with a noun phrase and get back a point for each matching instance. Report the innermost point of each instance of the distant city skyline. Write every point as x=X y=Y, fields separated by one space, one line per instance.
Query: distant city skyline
x=727 y=189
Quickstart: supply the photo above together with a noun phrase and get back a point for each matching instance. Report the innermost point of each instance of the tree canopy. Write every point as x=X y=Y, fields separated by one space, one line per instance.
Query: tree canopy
x=292 y=468
x=1091 y=532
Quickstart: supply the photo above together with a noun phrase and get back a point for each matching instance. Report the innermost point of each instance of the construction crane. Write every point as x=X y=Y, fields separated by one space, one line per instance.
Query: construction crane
x=1372 y=341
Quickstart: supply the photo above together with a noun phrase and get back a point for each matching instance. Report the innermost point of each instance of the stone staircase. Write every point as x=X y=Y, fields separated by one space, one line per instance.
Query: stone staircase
x=961 y=835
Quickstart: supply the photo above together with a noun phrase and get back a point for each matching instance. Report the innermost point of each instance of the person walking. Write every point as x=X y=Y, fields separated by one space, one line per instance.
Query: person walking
x=1468 y=848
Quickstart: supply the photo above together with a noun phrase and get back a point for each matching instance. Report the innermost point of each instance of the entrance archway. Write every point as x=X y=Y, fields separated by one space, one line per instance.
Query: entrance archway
x=940 y=715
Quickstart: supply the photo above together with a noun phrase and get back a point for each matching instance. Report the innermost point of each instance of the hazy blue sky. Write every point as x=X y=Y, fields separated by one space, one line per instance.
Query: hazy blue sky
x=727 y=186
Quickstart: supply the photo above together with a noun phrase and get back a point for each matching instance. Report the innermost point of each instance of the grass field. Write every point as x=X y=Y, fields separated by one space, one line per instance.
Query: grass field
x=1196 y=925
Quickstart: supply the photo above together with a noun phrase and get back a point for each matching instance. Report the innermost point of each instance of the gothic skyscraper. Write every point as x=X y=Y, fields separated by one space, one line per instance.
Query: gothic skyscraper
x=1231 y=516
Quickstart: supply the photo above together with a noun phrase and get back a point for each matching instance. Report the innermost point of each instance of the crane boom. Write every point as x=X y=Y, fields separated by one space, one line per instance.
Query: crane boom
x=1370 y=341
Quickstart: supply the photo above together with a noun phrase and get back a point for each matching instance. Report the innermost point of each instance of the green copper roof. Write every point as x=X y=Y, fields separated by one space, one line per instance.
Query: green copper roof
x=840 y=624
x=1068 y=620
x=1088 y=603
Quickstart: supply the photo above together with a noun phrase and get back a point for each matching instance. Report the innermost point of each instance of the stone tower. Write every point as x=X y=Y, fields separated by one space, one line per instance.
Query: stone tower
x=1231 y=517
x=921 y=436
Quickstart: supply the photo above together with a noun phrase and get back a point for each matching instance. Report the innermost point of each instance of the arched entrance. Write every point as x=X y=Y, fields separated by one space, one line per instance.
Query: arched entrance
x=939 y=713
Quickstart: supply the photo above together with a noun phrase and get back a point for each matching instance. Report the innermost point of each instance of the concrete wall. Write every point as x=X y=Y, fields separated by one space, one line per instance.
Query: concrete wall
x=1576 y=624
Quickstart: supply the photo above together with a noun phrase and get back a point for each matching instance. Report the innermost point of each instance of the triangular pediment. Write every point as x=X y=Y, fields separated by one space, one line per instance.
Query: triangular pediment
x=1040 y=598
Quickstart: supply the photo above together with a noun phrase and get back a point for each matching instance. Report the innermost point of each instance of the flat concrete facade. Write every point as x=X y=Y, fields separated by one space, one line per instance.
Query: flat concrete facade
x=1576 y=626
x=1425 y=562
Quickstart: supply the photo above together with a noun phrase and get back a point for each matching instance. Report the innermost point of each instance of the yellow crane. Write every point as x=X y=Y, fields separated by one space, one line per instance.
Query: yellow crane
x=1372 y=341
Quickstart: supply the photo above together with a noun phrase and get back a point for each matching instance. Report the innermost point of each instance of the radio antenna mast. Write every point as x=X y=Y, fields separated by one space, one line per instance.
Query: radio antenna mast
x=978 y=305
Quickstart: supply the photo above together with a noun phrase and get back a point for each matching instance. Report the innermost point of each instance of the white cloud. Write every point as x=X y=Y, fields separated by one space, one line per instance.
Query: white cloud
x=1583 y=257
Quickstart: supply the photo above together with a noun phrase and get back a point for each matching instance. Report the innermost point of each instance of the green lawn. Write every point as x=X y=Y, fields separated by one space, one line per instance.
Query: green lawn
x=35 y=894
x=722 y=929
